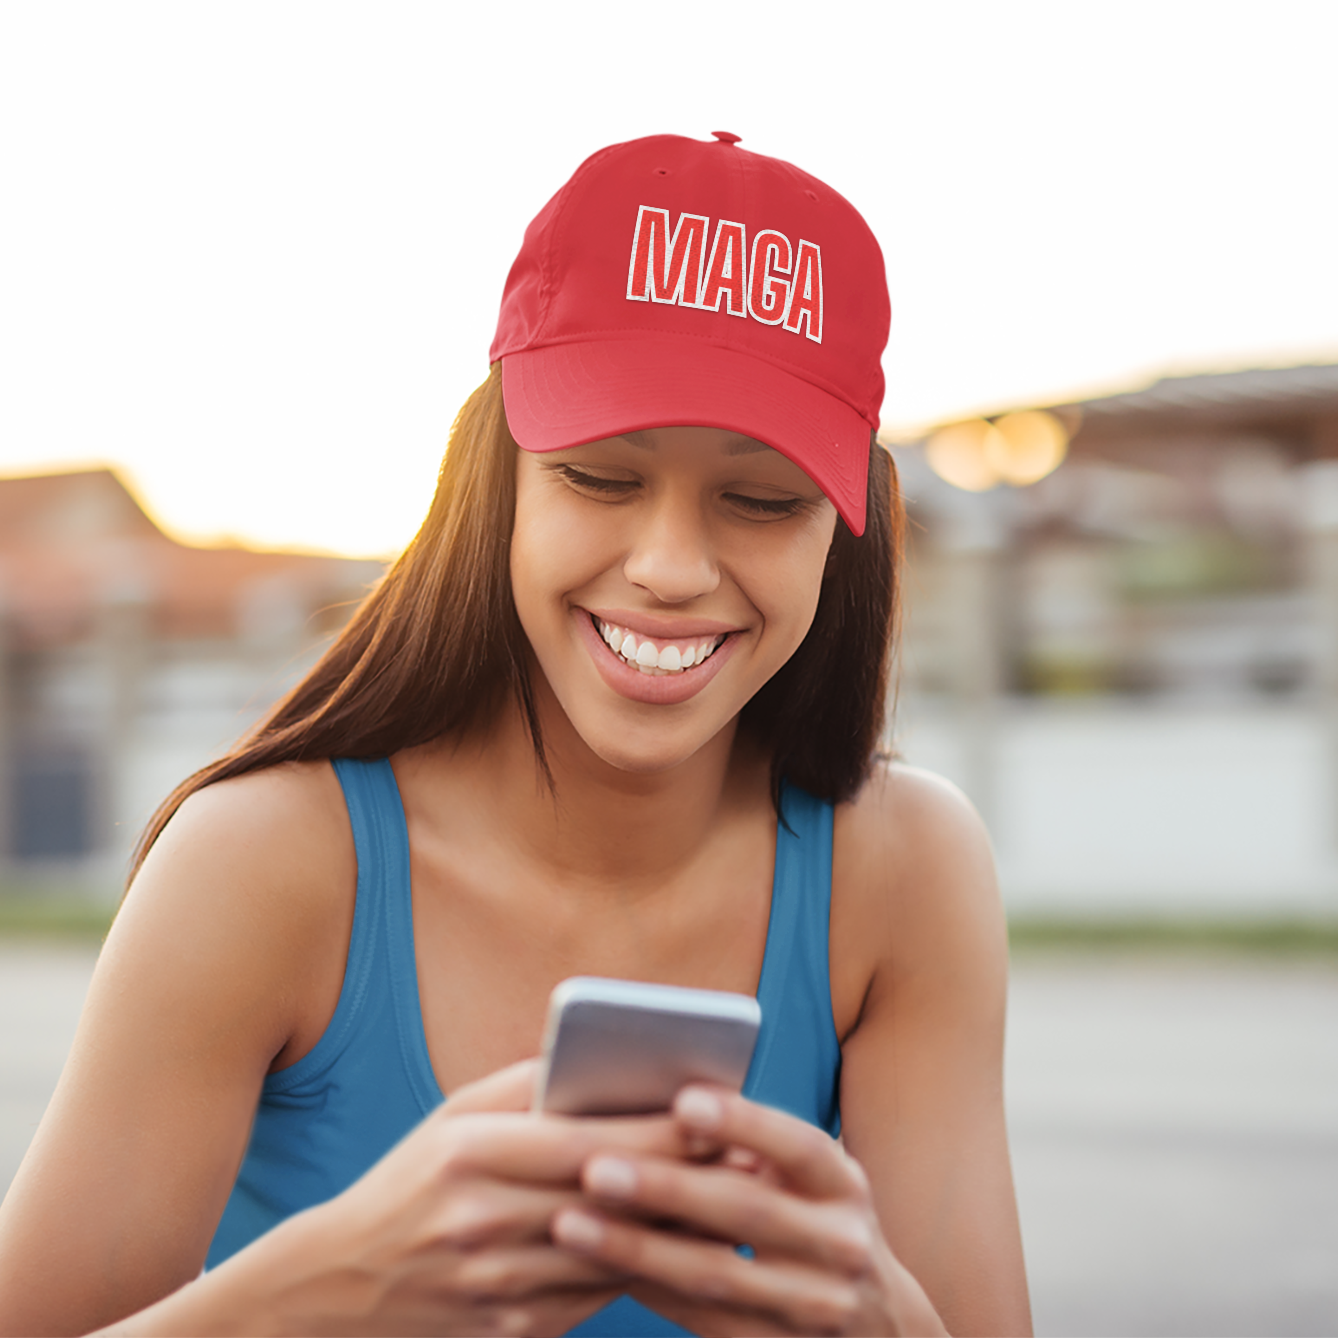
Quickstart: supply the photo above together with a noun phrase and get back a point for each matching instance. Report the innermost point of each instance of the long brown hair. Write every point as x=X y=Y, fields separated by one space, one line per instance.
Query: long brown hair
x=401 y=673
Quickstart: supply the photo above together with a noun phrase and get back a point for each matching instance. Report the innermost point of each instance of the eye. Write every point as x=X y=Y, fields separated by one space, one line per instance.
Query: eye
x=766 y=506
x=598 y=484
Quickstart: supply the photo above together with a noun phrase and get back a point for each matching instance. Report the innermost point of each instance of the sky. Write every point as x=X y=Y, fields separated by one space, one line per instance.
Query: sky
x=251 y=253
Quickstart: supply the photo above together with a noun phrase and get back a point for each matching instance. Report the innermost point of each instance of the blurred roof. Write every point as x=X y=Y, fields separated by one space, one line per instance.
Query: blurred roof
x=73 y=546
x=1224 y=395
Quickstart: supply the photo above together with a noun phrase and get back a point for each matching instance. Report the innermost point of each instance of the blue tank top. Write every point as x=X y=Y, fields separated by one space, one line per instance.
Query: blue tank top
x=326 y=1119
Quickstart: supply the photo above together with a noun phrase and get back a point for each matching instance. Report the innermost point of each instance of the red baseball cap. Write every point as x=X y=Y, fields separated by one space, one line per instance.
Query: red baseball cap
x=675 y=282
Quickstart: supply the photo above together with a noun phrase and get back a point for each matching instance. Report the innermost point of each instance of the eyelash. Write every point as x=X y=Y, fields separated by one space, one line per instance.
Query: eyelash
x=594 y=482
x=768 y=506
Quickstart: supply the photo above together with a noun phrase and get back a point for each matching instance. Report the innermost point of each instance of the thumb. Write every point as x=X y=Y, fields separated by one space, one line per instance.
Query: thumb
x=511 y=1088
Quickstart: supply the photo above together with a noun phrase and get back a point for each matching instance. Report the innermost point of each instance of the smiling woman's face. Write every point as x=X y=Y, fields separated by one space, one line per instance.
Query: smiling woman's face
x=661 y=578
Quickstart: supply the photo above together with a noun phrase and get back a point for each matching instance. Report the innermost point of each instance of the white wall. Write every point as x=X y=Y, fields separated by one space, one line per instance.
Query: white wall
x=194 y=708
x=1109 y=807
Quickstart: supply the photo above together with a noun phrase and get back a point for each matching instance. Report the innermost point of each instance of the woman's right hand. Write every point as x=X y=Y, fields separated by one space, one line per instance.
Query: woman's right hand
x=448 y=1233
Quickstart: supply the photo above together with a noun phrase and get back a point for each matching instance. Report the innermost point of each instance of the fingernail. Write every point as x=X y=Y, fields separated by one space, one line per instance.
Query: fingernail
x=699 y=1108
x=578 y=1230
x=611 y=1177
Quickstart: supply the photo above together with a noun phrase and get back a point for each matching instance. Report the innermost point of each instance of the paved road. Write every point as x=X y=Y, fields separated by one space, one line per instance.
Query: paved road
x=1175 y=1133
x=1175 y=1142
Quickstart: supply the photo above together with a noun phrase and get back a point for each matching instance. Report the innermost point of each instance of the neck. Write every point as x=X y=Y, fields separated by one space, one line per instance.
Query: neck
x=596 y=824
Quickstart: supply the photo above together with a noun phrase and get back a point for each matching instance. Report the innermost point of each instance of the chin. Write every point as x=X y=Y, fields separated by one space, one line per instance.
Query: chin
x=632 y=738
x=649 y=759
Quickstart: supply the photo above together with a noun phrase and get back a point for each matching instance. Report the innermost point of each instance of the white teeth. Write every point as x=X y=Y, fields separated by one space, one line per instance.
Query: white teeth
x=652 y=659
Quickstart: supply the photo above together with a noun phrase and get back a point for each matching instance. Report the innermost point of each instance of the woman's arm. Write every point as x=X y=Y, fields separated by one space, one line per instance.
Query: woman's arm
x=922 y=1072
x=202 y=982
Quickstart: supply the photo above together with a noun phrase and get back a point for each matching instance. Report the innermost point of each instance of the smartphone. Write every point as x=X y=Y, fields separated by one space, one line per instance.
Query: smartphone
x=622 y=1047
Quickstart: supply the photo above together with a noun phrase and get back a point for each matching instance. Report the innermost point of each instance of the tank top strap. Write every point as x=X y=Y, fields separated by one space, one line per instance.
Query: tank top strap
x=381 y=837
x=381 y=947
x=798 y=1045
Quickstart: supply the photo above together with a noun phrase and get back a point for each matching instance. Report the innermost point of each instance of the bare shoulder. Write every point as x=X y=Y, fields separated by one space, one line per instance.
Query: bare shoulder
x=254 y=879
x=281 y=834
x=913 y=882
x=909 y=823
x=285 y=813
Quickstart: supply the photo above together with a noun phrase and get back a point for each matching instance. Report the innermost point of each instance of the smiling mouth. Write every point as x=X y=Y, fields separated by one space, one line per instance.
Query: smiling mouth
x=656 y=657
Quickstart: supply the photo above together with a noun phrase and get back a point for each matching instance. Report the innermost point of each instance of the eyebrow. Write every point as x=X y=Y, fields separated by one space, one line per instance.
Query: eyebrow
x=735 y=445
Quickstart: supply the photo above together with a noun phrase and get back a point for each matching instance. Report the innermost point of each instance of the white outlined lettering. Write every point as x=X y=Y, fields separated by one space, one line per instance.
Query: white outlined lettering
x=768 y=293
x=664 y=268
x=806 y=292
x=778 y=284
x=726 y=270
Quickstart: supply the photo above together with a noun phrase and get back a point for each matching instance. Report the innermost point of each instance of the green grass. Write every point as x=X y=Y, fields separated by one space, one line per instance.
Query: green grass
x=1309 y=938
x=56 y=914
x=25 y=914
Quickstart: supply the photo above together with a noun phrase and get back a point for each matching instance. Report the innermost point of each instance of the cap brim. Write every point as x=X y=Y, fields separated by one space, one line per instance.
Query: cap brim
x=567 y=394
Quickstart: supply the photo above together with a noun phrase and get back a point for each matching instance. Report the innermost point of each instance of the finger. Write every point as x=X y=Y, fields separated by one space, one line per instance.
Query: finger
x=523 y=1272
x=524 y=1294
x=807 y=1158
x=487 y=1214
x=697 y=1316
x=745 y=1159
x=544 y=1148
x=511 y=1088
x=804 y=1300
x=737 y=1206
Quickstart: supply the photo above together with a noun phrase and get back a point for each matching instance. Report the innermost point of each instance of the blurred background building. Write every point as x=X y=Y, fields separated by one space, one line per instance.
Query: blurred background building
x=127 y=660
x=1122 y=641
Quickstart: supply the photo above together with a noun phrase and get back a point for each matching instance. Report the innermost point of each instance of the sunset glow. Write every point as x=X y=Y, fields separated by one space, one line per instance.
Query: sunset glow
x=252 y=254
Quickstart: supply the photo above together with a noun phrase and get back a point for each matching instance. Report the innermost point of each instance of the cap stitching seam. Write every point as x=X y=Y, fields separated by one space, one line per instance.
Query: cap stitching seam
x=548 y=287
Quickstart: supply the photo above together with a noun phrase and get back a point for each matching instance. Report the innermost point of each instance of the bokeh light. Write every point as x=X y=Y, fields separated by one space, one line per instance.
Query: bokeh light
x=957 y=454
x=1018 y=448
x=1026 y=446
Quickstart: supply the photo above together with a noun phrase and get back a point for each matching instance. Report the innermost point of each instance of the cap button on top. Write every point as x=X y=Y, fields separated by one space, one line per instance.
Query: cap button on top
x=725 y=137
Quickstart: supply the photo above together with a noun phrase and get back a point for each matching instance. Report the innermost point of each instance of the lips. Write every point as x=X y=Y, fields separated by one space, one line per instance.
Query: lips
x=631 y=675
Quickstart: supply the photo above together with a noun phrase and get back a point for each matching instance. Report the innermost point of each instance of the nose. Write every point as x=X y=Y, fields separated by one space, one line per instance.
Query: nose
x=672 y=555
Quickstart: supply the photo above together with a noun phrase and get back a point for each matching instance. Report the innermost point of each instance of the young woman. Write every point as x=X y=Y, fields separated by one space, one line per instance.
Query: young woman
x=614 y=712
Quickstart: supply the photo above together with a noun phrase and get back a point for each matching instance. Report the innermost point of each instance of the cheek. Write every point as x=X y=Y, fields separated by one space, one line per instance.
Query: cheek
x=793 y=584
x=552 y=549
x=529 y=542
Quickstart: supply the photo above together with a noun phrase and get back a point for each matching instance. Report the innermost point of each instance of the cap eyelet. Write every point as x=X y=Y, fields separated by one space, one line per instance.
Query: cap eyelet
x=661 y=171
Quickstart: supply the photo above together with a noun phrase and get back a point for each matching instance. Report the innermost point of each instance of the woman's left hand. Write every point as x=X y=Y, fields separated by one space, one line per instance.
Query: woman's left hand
x=820 y=1263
